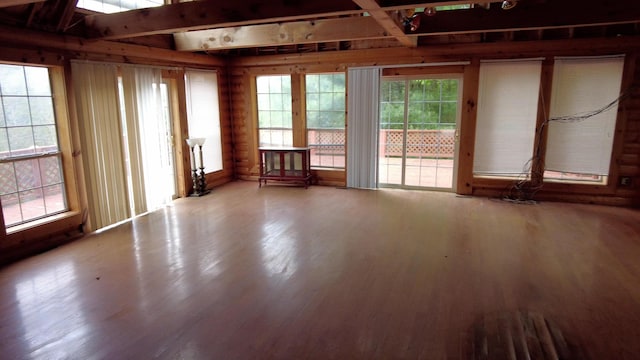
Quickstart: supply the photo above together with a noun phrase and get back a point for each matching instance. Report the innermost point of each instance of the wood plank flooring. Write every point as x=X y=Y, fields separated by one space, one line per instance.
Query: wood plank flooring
x=324 y=273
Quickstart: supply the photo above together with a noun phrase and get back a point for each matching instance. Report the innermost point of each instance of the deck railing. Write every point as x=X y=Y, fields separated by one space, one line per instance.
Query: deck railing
x=424 y=143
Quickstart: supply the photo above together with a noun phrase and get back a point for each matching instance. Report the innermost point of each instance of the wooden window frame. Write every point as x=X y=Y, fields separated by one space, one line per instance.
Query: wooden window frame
x=72 y=218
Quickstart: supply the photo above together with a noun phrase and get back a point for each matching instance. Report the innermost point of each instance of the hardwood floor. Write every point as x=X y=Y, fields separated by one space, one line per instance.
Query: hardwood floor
x=324 y=273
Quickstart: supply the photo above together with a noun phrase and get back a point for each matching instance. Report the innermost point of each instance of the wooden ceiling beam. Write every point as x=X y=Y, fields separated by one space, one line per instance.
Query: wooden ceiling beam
x=407 y=4
x=386 y=21
x=447 y=52
x=25 y=38
x=8 y=3
x=66 y=15
x=555 y=14
x=301 y=32
x=208 y=14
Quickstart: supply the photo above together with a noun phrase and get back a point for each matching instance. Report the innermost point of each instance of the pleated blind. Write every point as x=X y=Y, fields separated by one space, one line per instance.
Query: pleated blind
x=506 y=118
x=582 y=86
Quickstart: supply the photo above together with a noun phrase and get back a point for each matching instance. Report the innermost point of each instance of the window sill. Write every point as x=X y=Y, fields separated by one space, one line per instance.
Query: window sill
x=327 y=169
x=42 y=222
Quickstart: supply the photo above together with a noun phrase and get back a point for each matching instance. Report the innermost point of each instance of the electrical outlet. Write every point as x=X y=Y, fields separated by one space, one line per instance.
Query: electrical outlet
x=625 y=181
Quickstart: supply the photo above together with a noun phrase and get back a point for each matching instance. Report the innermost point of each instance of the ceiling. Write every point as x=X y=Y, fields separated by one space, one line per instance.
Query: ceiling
x=293 y=26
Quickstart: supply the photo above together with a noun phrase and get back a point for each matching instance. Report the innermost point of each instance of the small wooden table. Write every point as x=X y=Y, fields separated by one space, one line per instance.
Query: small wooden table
x=285 y=164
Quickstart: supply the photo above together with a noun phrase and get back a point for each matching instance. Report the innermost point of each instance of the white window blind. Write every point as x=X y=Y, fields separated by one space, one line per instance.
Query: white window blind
x=506 y=119
x=580 y=86
x=363 y=100
x=203 y=115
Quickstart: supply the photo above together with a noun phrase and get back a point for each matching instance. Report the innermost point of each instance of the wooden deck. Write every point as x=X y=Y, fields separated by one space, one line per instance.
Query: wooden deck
x=326 y=273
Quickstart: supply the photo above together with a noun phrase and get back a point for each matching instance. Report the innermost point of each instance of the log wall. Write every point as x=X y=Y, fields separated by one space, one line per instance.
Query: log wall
x=625 y=159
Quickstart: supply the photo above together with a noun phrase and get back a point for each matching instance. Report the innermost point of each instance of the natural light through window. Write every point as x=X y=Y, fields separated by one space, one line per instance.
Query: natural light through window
x=583 y=119
x=31 y=176
x=114 y=6
x=326 y=119
x=274 y=110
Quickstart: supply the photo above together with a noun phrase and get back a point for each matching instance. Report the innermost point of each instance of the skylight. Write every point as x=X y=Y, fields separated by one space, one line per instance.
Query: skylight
x=114 y=6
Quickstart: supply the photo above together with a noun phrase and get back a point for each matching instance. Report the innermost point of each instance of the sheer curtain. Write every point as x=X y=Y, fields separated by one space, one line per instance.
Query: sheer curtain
x=363 y=102
x=96 y=90
x=148 y=138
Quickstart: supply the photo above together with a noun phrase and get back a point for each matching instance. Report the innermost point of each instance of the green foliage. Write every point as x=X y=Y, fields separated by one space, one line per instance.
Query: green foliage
x=325 y=101
x=274 y=101
x=27 y=116
x=432 y=104
x=453 y=7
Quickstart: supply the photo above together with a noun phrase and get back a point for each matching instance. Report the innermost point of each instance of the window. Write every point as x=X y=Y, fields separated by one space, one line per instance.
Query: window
x=506 y=120
x=274 y=110
x=114 y=6
x=31 y=176
x=203 y=115
x=583 y=118
x=418 y=120
x=325 y=119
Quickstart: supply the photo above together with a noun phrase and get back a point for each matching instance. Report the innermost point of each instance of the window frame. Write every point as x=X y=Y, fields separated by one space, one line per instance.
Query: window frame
x=525 y=172
x=568 y=177
x=344 y=127
x=570 y=189
x=70 y=218
x=256 y=96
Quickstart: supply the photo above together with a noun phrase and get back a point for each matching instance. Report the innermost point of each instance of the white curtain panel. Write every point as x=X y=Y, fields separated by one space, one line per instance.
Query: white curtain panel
x=96 y=91
x=363 y=102
x=506 y=118
x=580 y=86
x=148 y=136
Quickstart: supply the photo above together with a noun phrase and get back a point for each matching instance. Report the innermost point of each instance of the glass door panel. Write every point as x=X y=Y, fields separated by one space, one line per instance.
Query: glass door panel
x=418 y=132
x=392 y=132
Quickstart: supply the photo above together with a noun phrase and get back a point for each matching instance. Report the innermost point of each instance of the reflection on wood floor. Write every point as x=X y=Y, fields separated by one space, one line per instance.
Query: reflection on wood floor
x=288 y=273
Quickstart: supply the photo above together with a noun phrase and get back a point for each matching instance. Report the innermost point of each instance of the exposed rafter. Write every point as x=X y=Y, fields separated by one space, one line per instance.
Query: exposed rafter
x=210 y=14
x=20 y=37
x=199 y=15
x=386 y=21
x=406 y=4
x=7 y=3
x=556 y=14
x=299 y=32
x=66 y=15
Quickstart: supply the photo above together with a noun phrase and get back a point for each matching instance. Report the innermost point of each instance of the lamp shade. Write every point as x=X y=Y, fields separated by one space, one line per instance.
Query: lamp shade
x=195 y=141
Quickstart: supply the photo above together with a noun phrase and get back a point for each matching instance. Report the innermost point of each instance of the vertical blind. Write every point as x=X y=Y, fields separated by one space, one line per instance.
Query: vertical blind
x=506 y=118
x=363 y=101
x=581 y=86
x=96 y=90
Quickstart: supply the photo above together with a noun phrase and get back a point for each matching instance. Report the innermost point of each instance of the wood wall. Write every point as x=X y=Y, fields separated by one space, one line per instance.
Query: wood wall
x=236 y=77
x=629 y=160
x=625 y=160
x=245 y=117
x=36 y=48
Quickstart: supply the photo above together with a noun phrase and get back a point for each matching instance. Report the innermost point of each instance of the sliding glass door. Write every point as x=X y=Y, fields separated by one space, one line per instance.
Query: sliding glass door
x=418 y=132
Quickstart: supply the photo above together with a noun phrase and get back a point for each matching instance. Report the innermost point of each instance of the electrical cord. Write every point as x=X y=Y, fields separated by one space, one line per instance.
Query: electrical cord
x=529 y=182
